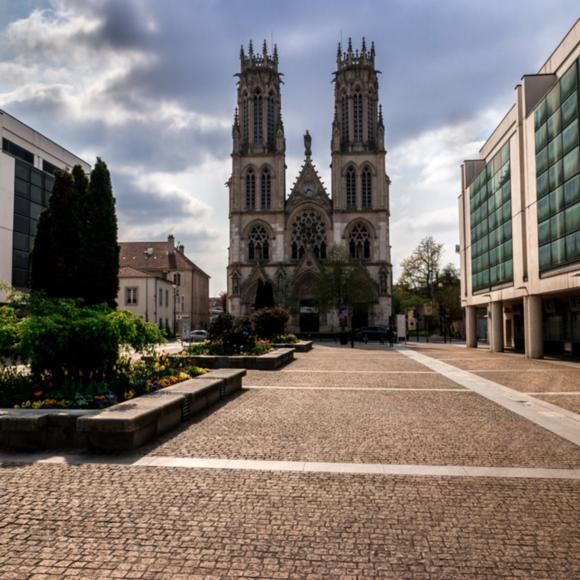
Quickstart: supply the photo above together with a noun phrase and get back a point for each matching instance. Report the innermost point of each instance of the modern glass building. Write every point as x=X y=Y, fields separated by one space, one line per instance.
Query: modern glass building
x=28 y=161
x=520 y=217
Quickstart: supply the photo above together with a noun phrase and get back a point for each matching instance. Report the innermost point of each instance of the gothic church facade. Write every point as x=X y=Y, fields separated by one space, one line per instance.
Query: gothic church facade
x=286 y=239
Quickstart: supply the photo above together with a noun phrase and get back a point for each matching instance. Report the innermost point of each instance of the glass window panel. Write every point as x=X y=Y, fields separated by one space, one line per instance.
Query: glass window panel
x=557 y=200
x=493 y=275
x=48 y=182
x=36 y=194
x=492 y=221
x=21 y=224
x=22 y=170
x=553 y=125
x=541 y=137
x=572 y=190
x=493 y=237
x=543 y=208
x=542 y=160
x=542 y=184
x=485 y=261
x=506 y=211
x=555 y=149
x=573 y=246
x=558 y=252
x=35 y=210
x=568 y=82
x=36 y=177
x=540 y=115
x=571 y=163
x=545 y=257
x=569 y=109
x=508 y=270
x=544 y=232
x=496 y=163
x=20 y=259
x=491 y=204
x=557 y=226
x=505 y=152
x=21 y=242
x=21 y=188
x=508 y=249
x=572 y=218
x=33 y=226
x=570 y=137
x=553 y=100
x=555 y=175
x=506 y=191
x=19 y=278
x=507 y=231
x=493 y=257
x=21 y=206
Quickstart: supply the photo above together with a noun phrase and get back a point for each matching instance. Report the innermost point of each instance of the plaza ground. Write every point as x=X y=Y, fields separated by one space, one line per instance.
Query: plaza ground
x=430 y=461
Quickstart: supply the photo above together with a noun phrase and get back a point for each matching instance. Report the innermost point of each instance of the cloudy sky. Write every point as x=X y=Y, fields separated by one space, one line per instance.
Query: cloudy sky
x=149 y=87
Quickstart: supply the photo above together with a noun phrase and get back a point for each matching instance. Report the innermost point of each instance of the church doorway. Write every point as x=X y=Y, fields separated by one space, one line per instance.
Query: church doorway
x=309 y=316
x=360 y=316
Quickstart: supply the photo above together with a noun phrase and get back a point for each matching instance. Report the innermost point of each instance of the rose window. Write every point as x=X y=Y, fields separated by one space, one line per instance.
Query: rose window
x=308 y=231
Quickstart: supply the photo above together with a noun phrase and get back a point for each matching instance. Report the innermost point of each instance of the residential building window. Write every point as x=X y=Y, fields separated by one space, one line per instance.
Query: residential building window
x=258 y=246
x=130 y=296
x=177 y=279
x=359 y=242
x=166 y=298
x=250 y=189
x=266 y=185
x=491 y=223
x=350 y=188
x=161 y=297
x=17 y=151
x=558 y=173
x=366 y=189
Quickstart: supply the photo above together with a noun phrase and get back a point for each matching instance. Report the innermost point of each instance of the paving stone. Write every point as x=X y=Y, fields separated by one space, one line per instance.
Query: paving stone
x=569 y=402
x=257 y=524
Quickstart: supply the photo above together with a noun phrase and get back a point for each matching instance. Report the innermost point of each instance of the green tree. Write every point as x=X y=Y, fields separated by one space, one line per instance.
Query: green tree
x=343 y=282
x=55 y=258
x=421 y=268
x=100 y=263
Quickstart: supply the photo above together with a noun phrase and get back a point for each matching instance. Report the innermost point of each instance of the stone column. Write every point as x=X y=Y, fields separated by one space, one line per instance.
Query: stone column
x=471 y=327
x=496 y=326
x=533 y=327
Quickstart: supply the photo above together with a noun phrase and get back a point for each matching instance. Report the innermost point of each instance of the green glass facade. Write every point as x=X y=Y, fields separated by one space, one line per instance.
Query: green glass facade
x=558 y=173
x=491 y=224
x=32 y=189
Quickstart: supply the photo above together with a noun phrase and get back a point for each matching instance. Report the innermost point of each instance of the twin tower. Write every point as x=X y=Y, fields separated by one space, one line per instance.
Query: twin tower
x=285 y=238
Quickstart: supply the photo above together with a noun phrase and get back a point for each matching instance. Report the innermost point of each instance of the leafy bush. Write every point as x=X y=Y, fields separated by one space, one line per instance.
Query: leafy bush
x=270 y=322
x=286 y=339
x=235 y=334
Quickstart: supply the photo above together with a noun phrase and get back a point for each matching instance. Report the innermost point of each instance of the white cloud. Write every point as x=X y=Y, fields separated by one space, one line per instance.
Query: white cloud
x=426 y=176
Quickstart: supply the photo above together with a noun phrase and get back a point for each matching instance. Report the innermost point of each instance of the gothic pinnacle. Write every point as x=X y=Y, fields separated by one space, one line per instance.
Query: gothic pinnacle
x=349 y=45
x=338 y=52
x=251 y=50
x=264 y=48
x=242 y=52
x=275 y=53
x=364 y=45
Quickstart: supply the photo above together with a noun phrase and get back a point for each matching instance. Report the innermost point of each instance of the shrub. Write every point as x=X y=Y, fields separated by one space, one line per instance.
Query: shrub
x=286 y=339
x=270 y=322
x=235 y=334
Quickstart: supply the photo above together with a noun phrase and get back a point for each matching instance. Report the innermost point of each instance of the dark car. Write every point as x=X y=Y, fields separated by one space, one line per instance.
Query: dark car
x=372 y=333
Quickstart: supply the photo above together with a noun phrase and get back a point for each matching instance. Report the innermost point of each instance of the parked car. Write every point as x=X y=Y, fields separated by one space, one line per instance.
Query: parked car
x=198 y=335
x=372 y=333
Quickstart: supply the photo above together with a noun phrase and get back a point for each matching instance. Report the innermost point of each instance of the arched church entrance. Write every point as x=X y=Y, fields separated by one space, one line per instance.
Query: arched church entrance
x=309 y=316
x=360 y=316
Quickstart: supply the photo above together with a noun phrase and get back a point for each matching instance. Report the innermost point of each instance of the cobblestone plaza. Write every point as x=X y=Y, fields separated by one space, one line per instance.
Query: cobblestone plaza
x=429 y=461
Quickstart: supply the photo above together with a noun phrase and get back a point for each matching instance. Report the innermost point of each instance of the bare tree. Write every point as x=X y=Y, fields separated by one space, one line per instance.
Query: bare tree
x=421 y=268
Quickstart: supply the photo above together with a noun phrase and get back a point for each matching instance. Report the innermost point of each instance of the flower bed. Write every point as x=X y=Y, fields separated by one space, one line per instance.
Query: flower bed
x=216 y=348
x=19 y=390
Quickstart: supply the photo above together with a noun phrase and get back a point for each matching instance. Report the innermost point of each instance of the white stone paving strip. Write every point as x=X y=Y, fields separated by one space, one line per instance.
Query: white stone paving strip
x=554 y=393
x=295 y=466
x=555 y=419
x=315 y=388
x=310 y=371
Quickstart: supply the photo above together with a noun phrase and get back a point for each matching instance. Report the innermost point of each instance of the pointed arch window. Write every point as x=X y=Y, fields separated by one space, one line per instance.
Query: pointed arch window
x=383 y=283
x=235 y=284
x=250 y=189
x=359 y=242
x=358 y=117
x=258 y=245
x=371 y=118
x=266 y=189
x=258 y=136
x=350 y=188
x=245 y=120
x=271 y=120
x=344 y=119
x=367 y=189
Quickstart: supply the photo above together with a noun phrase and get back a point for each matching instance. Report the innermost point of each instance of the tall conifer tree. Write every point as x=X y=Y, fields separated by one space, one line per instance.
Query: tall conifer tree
x=100 y=263
x=55 y=257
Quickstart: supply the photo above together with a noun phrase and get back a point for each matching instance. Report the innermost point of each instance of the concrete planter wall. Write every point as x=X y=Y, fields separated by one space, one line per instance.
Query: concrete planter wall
x=301 y=346
x=124 y=426
x=265 y=362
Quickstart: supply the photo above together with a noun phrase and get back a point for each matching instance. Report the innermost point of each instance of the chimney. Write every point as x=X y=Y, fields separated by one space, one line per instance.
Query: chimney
x=170 y=243
x=181 y=248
